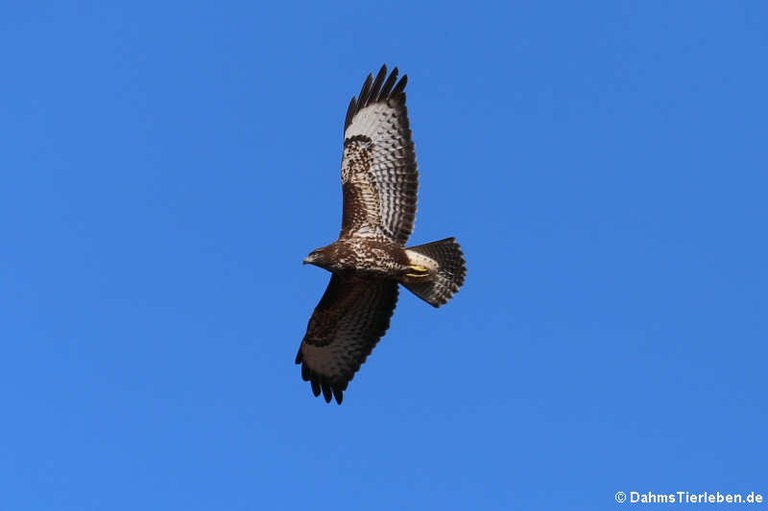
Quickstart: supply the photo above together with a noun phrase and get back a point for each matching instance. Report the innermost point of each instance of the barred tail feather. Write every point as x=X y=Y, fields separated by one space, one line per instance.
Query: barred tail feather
x=446 y=271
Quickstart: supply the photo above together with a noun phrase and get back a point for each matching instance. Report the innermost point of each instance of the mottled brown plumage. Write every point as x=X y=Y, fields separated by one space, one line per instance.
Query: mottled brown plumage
x=368 y=261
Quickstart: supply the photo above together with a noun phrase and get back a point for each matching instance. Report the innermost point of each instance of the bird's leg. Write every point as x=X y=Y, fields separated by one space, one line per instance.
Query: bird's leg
x=417 y=271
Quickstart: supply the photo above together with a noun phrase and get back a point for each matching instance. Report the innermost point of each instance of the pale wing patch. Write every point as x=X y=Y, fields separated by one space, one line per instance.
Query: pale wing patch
x=371 y=122
x=330 y=361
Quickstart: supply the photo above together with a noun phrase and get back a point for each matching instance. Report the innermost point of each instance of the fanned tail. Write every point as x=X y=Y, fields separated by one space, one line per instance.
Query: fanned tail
x=438 y=271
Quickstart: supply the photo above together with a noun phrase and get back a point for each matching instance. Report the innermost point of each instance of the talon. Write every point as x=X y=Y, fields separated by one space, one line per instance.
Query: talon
x=417 y=271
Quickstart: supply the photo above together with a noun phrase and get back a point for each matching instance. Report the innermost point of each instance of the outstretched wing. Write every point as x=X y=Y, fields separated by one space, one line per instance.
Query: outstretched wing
x=378 y=170
x=350 y=319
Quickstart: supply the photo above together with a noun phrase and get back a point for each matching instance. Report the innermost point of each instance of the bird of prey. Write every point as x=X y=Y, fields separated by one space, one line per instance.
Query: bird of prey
x=369 y=260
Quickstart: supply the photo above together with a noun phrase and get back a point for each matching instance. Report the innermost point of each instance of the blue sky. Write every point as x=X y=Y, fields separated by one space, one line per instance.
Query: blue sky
x=167 y=166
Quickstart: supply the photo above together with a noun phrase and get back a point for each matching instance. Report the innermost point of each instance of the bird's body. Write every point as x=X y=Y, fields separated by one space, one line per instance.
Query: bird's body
x=367 y=257
x=369 y=260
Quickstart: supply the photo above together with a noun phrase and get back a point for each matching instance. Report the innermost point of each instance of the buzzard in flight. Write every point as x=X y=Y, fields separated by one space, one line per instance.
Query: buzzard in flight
x=369 y=260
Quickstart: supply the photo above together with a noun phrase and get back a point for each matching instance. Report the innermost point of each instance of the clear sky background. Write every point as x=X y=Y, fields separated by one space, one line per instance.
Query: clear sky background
x=166 y=166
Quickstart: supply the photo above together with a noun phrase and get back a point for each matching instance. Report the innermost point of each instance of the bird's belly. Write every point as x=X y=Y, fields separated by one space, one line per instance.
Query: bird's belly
x=374 y=260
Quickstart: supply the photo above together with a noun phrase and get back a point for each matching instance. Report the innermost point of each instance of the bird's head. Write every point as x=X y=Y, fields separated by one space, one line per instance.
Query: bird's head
x=318 y=257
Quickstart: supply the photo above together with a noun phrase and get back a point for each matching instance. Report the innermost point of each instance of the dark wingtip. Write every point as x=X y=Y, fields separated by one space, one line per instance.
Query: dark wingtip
x=377 y=83
x=327 y=394
x=320 y=385
x=351 y=110
x=399 y=89
x=315 y=388
x=365 y=92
